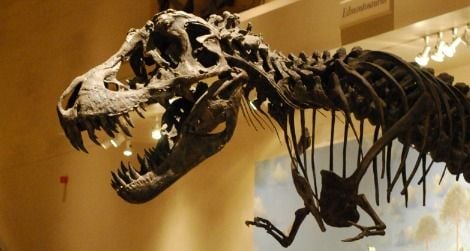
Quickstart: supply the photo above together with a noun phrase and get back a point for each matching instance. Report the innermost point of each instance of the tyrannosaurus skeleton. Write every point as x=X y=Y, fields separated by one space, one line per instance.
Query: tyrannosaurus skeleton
x=175 y=52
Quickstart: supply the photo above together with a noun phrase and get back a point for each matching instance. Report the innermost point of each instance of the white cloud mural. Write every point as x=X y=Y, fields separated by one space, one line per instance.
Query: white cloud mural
x=277 y=200
x=259 y=210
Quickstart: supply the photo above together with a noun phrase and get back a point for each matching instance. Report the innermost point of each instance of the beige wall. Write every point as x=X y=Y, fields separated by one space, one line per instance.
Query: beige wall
x=44 y=44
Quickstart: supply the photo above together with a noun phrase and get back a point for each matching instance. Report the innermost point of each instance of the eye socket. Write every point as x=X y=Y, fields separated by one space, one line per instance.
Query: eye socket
x=168 y=45
x=202 y=54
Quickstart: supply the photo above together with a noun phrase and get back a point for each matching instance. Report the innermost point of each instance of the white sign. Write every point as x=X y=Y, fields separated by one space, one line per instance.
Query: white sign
x=355 y=11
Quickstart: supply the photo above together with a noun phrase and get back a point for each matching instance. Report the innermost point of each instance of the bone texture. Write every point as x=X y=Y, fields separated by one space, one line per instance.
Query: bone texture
x=203 y=71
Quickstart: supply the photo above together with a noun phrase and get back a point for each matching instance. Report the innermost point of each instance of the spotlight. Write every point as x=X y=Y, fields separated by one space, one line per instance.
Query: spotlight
x=456 y=40
x=116 y=141
x=438 y=54
x=156 y=133
x=466 y=36
x=423 y=57
x=128 y=150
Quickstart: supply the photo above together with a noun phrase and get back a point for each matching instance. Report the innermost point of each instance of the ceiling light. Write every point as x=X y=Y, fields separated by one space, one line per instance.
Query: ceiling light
x=128 y=150
x=117 y=141
x=423 y=57
x=438 y=54
x=456 y=40
x=466 y=36
x=156 y=134
x=157 y=130
x=106 y=144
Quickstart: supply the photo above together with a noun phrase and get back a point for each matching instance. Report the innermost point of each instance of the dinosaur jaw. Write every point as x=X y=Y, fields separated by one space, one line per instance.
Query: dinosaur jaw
x=156 y=174
x=194 y=136
x=198 y=121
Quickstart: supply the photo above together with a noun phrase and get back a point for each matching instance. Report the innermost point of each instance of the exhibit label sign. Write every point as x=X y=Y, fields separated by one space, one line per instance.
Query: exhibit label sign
x=355 y=11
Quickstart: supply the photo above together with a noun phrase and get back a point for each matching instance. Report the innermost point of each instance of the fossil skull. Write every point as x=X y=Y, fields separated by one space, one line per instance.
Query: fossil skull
x=170 y=56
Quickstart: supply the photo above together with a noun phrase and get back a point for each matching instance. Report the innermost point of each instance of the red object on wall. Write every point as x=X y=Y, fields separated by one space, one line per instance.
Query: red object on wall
x=64 y=179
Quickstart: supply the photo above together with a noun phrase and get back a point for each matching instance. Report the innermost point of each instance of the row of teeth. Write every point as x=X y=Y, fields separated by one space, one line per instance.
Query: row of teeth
x=127 y=174
x=152 y=158
x=109 y=124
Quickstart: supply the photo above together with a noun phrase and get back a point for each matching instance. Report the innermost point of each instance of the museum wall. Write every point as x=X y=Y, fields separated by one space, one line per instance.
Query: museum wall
x=44 y=45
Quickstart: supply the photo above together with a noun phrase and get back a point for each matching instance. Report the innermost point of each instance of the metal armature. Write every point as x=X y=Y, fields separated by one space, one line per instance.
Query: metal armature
x=173 y=56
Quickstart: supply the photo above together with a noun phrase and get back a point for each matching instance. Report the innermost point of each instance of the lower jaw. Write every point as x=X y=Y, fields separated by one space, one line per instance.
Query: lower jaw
x=136 y=193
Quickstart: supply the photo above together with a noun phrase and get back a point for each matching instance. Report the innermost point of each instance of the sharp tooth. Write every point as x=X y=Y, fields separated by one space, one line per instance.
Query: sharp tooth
x=145 y=167
x=91 y=133
x=113 y=121
x=123 y=127
x=114 y=184
x=142 y=106
x=140 y=159
x=139 y=113
x=77 y=138
x=147 y=154
x=70 y=135
x=124 y=168
x=106 y=127
x=143 y=164
x=128 y=119
x=117 y=179
x=132 y=172
x=123 y=173
x=150 y=164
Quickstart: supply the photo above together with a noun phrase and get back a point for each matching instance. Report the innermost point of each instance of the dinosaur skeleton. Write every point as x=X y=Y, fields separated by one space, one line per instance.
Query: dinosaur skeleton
x=175 y=53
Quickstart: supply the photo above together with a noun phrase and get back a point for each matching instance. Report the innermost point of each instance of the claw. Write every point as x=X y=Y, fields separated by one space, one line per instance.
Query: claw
x=365 y=231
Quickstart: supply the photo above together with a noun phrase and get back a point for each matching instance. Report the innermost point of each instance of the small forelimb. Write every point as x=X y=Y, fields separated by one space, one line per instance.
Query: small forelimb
x=284 y=240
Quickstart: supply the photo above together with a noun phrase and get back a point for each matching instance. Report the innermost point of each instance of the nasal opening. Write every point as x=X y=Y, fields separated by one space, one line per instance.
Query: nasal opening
x=69 y=98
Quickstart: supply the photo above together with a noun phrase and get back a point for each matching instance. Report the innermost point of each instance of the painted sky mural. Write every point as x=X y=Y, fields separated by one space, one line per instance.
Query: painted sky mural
x=444 y=221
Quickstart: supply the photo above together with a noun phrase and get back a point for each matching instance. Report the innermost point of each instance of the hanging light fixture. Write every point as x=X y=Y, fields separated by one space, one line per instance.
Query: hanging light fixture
x=466 y=36
x=128 y=150
x=438 y=54
x=423 y=57
x=456 y=40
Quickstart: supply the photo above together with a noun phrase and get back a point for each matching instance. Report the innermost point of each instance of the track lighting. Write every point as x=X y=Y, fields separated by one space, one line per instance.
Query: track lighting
x=466 y=36
x=128 y=150
x=438 y=54
x=423 y=57
x=456 y=40
x=441 y=48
